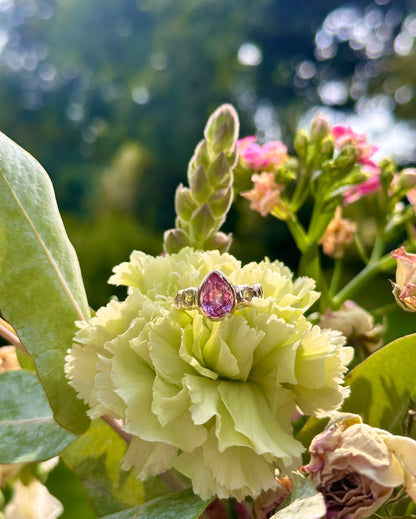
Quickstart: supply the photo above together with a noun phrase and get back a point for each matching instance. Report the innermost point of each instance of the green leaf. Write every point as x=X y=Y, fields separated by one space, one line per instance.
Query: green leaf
x=65 y=486
x=41 y=289
x=28 y=431
x=95 y=458
x=180 y=505
x=383 y=386
x=306 y=502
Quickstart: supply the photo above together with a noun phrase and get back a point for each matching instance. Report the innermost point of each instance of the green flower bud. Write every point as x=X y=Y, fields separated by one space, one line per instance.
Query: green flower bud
x=185 y=204
x=200 y=186
x=327 y=147
x=218 y=241
x=218 y=171
x=320 y=128
x=346 y=159
x=406 y=179
x=221 y=130
x=301 y=143
x=203 y=223
x=174 y=240
x=221 y=201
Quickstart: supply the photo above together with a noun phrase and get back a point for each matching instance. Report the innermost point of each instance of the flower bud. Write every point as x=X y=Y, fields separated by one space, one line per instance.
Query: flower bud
x=404 y=290
x=218 y=241
x=406 y=179
x=346 y=158
x=327 y=147
x=221 y=201
x=221 y=130
x=202 y=223
x=174 y=240
x=300 y=143
x=200 y=186
x=320 y=128
x=185 y=204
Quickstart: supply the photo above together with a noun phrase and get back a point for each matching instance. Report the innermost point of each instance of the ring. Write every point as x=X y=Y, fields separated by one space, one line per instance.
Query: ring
x=216 y=296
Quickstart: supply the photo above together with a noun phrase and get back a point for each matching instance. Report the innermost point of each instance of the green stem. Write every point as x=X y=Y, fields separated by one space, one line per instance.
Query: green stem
x=298 y=232
x=385 y=309
x=336 y=276
x=301 y=191
x=362 y=278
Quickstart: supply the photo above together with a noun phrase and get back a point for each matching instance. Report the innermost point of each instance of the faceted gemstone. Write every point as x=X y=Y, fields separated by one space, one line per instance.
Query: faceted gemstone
x=216 y=296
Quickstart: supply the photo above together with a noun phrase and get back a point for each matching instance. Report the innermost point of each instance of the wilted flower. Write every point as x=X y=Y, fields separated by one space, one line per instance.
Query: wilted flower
x=404 y=289
x=339 y=233
x=262 y=158
x=265 y=195
x=356 y=324
x=356 y=467
x=213 y=399
x=32 y=501
x=268 y=502
x=344 y=135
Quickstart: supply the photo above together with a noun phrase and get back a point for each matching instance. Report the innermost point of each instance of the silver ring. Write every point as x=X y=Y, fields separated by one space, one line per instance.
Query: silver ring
x=216 y=296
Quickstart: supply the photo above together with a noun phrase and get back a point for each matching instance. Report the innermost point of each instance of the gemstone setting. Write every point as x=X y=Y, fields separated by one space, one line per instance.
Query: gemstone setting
x=216 y=296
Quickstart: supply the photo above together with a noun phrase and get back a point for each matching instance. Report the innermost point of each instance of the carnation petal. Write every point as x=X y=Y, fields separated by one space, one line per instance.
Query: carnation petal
x=148 y=458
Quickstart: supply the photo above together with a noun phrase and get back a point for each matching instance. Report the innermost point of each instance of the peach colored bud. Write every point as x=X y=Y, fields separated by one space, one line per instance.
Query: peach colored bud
x=339 y=233
x=265 y=195
x=356 y=467
x=404 y=290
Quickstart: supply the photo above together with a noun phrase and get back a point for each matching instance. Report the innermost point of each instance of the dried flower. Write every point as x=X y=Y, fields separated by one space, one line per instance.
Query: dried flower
x=213 y=399
x=8 y=359
x=265 y=195
x=356 y=467
x=268 y=502
x=262 y=158
x=339 y=233
x=356 y=324
x=404 y=290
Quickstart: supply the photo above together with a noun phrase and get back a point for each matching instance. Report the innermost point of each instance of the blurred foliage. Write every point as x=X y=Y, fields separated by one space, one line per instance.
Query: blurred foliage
x=112 y=97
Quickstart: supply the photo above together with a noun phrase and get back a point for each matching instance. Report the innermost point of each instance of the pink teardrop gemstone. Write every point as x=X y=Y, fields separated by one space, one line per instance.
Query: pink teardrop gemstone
x=216 y=297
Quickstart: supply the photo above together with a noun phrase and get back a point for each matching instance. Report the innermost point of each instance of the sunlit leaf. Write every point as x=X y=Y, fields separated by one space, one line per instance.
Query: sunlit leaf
x=28 y=431
x=180 y=505
x=95 y=458
x=383 y=386
x=41 y=289
x=305 y=502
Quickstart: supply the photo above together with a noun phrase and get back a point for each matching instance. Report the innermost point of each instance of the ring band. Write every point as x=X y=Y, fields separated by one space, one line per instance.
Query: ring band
x=216 y=296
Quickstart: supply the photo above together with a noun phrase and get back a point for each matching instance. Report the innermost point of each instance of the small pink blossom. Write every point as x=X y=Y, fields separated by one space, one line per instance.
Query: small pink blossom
x=262 y=158
x=265 y=195
x=344 y=135
x=368 y=186
x=404 y=290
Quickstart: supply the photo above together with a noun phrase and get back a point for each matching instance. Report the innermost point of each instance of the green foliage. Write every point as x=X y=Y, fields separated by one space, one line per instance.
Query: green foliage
x=303 y=502
x=38 y=258
x=383 y=386
x=26 y=420
x=180 y=505
x=95 y=458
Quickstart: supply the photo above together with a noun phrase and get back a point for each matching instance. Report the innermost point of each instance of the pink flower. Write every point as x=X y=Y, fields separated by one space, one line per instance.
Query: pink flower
x=262 y=158
x=265 y=195
x=368 y=186
x=404 y=290
x=356 y=467
x=343 y=135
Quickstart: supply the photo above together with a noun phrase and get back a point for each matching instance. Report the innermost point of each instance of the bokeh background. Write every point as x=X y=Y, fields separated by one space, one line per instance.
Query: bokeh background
x=112 y=97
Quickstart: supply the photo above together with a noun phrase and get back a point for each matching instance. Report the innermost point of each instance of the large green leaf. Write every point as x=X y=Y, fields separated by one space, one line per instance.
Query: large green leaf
x=95 y=458
x=41 y=289
x=383 y=386
x=180 y=505
x=28 y=431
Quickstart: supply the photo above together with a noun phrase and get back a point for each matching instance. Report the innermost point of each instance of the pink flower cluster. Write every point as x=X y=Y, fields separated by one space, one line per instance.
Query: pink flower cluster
x=262 y=158
x=344 y=135
x=265 y=194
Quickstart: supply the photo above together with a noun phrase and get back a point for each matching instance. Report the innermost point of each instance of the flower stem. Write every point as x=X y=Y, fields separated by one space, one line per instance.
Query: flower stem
x=336 y=276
